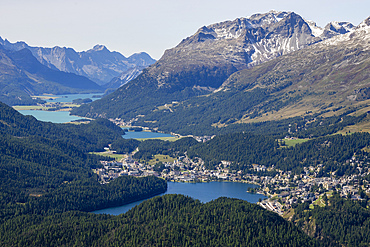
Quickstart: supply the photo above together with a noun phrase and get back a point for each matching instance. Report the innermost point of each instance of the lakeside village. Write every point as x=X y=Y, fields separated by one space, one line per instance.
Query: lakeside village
x=282 y=191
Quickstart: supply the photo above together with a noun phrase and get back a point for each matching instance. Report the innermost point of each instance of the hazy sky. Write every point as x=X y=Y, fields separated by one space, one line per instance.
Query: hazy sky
x=130 y=26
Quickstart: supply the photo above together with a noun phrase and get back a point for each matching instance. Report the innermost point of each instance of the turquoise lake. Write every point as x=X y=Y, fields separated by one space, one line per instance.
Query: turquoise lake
x=58 y=116
x=204 y=192
x=51 y=116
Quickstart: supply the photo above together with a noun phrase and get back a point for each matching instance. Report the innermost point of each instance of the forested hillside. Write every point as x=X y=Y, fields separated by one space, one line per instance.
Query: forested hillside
x=90 y=137
x=171 y=220
x=245 y=149
x=45 y=168
x=343 y=221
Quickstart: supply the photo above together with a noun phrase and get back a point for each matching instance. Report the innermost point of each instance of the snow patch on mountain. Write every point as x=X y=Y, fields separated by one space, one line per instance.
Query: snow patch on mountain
x=99 y=48
x=316 y=30
x=358 y=35
x=364 y=24
x=130 y=75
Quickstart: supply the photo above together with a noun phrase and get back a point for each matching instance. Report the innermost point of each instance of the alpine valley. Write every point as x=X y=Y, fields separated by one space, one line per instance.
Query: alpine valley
x=271 y=101
x=267 y=67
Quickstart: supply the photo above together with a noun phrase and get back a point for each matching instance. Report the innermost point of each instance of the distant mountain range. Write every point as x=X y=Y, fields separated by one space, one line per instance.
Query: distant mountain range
x=27 y=71
x=98 y=64
x=22 y=75
x=249 y=69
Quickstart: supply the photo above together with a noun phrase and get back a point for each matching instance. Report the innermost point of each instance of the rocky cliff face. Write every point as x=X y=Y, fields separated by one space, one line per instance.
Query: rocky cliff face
x=243 y=43
x=124 y=78
x=98 y=64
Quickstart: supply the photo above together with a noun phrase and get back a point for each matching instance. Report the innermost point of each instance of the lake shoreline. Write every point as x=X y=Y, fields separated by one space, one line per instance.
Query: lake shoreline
x=205 y=192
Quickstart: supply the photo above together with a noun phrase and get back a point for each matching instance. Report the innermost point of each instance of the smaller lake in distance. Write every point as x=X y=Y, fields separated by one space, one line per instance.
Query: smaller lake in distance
x=51 y=116
x=144 y=135
x=59 y=116
x=204 y=192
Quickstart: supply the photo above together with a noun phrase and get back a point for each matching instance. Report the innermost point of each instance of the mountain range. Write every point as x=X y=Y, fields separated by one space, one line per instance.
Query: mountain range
x=98 y=64
x=22 y=75
x=264 y=67
x=26 y=71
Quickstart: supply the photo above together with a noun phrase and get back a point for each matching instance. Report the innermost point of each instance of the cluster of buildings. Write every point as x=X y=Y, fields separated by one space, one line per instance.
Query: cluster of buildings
x=283 y=190
x=121 y=122
x=286 y=190
x=181 y=170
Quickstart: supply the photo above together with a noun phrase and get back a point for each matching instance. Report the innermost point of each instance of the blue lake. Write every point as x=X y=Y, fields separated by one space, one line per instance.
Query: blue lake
x=144 y=134
x=51 y=116
x=58 y=116
x=204 y=192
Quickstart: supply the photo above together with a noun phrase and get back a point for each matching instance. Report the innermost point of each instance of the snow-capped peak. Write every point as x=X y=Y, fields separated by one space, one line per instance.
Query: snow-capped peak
x=340 y=27
x=279 y=15
x=360 y=34
x=99 y=48
x=364 y=24
x=236 y=28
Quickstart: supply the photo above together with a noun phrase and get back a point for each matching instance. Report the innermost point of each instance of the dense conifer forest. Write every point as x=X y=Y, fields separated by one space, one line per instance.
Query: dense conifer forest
x=171 y=220
x=342 y=221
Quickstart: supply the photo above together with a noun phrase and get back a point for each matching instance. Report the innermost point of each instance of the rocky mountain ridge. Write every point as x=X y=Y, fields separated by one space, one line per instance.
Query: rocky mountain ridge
x=246 y=42
x=202 y=62
x=98 y=64
x=325 y=79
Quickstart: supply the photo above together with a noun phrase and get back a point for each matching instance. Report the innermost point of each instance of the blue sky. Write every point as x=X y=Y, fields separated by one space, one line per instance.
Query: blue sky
x=147 y=25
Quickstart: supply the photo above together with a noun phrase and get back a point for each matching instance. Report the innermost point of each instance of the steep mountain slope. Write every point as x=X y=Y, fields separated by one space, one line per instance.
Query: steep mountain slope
x=14 y=82
x=141 y=61
x=330 y=77
x=21 y=75
x=331 y=29
x=124 y=78
x=202 y=62
x=98 y=64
